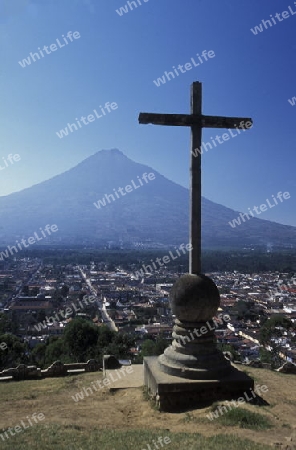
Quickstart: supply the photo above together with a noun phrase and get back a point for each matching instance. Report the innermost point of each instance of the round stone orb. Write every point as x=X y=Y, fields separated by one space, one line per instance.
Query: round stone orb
x=194 y=298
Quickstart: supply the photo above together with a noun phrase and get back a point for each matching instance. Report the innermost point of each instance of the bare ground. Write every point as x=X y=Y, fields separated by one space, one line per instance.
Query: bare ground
x=127 y=408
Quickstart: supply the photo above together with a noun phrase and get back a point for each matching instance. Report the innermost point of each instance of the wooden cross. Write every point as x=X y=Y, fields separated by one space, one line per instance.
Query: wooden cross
x=196 y=120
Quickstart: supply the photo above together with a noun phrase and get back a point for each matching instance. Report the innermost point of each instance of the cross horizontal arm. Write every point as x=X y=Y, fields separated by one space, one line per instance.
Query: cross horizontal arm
x=226 y=122
x=187 y=120
x=184 y=120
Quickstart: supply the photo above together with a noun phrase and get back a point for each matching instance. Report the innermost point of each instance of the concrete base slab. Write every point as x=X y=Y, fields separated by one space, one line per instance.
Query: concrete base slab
x=124 y=379
x=173 y=393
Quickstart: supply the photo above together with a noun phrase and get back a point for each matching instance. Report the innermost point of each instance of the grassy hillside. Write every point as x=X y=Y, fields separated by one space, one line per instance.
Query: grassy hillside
x=124 y=420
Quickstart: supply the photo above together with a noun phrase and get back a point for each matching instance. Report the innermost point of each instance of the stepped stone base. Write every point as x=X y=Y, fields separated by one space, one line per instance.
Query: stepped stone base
x=173 y=393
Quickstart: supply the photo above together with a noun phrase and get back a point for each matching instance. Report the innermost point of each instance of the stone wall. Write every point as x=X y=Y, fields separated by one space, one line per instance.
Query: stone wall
x=288 y=367
x=57 y=369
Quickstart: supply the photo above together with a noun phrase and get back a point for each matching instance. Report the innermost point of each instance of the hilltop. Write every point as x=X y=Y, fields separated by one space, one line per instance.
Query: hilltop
x=123 y=419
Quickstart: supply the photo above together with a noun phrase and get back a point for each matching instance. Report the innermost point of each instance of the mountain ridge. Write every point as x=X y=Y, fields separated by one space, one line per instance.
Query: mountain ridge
x=157 y=211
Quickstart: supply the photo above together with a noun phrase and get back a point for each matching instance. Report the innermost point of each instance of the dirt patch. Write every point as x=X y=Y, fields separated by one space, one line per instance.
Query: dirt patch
x=127 y=408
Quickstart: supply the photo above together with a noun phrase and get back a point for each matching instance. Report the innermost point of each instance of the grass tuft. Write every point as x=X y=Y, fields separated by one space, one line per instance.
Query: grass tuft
x=65 y=438
x=245 y=419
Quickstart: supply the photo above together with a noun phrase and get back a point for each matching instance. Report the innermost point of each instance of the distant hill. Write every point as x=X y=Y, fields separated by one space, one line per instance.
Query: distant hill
x=156 y=211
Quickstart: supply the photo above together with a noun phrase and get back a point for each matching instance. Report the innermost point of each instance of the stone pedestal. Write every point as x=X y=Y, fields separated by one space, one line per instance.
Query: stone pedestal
x=192 y=372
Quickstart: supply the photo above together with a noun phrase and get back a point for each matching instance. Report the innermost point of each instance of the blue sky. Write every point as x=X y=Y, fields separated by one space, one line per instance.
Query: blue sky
x=117 y=58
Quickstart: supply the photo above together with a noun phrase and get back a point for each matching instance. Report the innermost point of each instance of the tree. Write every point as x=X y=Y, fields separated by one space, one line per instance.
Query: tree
x=14 y=353
x=81 y=338
x=5 y=324
x=120 y=345
x=160 y=345
x=55 y=351
x=271 y=333
x=148 y=348
x=243 y=310
x=105 y=336
x=229 y=348
x=265 y=356
x=38 y=354
x=41 y=315
x=153 y=348
x=64 y=290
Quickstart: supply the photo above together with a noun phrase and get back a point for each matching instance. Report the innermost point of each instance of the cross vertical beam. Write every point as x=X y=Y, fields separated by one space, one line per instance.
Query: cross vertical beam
x=195 y=183
x=196 y=121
